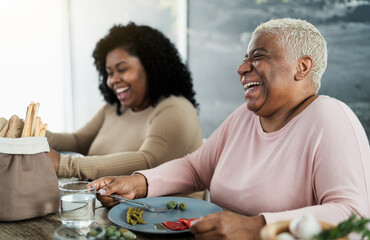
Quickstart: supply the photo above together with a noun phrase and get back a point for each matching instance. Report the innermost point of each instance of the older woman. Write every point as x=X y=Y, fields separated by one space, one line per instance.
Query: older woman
x=150 y=114
x=287 y=152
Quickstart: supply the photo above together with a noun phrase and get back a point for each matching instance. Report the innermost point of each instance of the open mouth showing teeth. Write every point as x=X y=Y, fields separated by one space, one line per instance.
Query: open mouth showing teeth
x=251 y=84
x=119 y=90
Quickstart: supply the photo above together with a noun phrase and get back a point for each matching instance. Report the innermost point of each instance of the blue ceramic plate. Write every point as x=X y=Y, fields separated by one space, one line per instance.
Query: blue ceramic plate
x=195 y=208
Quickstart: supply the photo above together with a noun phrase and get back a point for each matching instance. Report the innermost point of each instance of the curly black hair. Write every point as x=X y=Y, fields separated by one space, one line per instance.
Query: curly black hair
x=162 y=63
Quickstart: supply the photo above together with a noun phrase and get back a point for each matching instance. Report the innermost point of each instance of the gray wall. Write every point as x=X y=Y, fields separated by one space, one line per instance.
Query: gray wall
x=220 y=29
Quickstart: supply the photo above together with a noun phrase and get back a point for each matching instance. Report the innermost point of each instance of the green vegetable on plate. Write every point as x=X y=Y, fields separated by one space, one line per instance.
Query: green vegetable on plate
x=182 y=206
x=171 y=204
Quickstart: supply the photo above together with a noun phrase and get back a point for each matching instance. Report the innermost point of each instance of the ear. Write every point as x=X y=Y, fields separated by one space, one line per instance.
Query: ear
x=304 y=67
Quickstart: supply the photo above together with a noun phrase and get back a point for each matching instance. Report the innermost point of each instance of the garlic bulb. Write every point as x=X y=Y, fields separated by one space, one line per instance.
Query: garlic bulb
x=285 y=236
x=305 y=226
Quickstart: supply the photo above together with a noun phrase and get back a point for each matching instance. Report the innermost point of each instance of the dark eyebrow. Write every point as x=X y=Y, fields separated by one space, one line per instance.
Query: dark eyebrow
x=117 y=64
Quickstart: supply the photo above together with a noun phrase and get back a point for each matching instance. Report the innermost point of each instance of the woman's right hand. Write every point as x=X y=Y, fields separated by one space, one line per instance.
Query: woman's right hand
x=134 y=186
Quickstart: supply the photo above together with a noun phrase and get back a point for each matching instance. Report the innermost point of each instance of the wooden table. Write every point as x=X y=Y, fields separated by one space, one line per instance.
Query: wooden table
x=42 y=228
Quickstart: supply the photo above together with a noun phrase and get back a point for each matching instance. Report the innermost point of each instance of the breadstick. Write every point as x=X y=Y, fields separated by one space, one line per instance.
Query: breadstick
x=43 y=130
x=26 y=128
x=37 y=127
x=30 y=122
x=41 y=125
x=34 y=116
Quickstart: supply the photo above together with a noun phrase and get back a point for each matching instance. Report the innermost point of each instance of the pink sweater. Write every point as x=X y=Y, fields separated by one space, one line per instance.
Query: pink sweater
x=319 y=162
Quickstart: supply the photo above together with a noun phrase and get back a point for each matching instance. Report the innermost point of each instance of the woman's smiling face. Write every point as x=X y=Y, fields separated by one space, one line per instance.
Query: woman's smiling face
x=266 y=75
x=127 y=79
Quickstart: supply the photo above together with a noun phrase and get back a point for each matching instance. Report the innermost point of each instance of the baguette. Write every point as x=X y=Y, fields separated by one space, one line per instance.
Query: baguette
x=3 y=127
x=15 y=127
x=3 y=122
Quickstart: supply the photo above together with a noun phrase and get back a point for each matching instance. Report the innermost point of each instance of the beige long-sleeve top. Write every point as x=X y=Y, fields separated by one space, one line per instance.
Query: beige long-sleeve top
x=120 y=145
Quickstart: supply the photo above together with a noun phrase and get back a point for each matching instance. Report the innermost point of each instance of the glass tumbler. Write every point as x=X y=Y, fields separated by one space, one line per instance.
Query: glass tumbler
x=77 y=204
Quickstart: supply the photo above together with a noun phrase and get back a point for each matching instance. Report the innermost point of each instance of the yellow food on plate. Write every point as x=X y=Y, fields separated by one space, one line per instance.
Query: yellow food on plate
x=134 y=216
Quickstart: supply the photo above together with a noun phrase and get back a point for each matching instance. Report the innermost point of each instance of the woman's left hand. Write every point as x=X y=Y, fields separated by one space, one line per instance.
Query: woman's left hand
x=228 y=225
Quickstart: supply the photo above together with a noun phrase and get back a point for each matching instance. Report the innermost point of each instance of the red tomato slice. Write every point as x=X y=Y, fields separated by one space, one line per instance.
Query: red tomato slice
x=175 y=225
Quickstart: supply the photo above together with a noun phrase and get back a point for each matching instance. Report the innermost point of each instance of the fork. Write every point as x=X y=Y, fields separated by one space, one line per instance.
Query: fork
x=146 y=205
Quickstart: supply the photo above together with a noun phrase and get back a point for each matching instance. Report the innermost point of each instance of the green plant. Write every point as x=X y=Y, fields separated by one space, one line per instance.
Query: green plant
x=351 y=225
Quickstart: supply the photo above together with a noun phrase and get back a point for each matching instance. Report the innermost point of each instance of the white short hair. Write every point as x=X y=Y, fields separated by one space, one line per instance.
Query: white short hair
x=299 y=38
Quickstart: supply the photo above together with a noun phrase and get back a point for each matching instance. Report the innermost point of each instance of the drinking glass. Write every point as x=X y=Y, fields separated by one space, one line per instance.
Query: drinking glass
x=77 y=204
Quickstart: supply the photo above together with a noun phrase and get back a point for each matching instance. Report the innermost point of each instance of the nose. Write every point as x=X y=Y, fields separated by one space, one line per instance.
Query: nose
x=112 y=79
x=245 y=67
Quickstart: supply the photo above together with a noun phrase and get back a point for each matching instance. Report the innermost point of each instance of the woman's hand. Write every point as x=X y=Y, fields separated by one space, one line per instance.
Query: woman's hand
x=55 y=159
x=134 y=186
x=227 y=225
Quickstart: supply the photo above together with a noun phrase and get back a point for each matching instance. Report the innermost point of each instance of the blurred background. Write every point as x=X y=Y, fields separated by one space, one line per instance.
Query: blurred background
x=46 y=51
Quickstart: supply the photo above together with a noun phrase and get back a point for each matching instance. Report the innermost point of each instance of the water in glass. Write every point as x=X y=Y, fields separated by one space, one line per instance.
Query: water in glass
x=77 y=206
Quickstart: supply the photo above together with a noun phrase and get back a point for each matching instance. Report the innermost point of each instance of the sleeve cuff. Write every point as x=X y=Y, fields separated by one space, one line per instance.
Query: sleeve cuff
x=64 y=164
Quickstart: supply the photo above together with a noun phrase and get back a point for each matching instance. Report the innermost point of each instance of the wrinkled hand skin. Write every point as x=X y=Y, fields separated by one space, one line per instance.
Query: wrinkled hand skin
x=125 y=186
x=228 y=226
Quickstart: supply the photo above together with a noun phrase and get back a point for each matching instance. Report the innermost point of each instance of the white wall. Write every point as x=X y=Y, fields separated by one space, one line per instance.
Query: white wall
x=32 y=59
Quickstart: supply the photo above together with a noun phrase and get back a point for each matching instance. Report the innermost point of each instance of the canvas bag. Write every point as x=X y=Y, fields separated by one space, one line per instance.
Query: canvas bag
x=28 y=182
